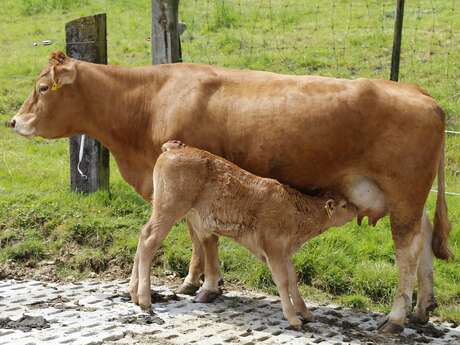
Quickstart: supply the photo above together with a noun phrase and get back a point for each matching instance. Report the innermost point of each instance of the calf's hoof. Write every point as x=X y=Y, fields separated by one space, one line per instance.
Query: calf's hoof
x=295 y=323
x=206 y=296
x=307 y=316
x=187 y=289
x=134 y=297
x=388 y=327
x=146 y=309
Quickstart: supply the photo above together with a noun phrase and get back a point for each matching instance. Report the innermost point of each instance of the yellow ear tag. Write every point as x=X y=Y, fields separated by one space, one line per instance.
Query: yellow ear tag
x=55 y=86
x=328 y=211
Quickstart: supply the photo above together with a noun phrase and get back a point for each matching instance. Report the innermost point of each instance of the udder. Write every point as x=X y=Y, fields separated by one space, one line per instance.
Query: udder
x=366 y=195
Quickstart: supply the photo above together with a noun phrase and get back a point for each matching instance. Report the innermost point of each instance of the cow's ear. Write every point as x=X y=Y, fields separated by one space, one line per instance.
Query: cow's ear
x=64 y=74
x=330 y=207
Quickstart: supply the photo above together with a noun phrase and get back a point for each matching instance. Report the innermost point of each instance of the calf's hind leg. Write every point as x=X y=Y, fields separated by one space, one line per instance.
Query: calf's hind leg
x=150 y=239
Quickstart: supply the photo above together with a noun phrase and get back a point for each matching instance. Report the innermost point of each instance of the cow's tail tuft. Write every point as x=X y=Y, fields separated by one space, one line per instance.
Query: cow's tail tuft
x=442 y=226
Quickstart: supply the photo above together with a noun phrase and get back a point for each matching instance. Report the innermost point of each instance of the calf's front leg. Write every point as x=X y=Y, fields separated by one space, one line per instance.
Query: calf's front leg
x=299 y=303
x=280 y=275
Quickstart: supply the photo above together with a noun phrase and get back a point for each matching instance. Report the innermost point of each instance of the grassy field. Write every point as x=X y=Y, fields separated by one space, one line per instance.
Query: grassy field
x=40 y=218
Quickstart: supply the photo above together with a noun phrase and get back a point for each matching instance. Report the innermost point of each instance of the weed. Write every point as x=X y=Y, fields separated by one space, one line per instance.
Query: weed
x=29 y=249
x=357 y=302
x=31 y=7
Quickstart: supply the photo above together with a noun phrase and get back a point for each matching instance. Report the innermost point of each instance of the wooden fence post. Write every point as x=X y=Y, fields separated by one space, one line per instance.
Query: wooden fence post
x=395 y=56
x=86 y=40
x=166 y=46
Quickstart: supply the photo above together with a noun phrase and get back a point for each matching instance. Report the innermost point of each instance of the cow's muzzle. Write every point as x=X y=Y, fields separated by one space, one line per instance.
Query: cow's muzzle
x=10 y=124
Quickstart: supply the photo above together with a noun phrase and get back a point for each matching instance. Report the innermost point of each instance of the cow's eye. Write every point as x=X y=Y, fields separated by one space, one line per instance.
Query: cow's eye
x=43 y=88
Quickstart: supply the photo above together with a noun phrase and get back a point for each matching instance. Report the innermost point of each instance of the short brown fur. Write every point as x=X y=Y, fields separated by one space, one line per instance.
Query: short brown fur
x=306 y=131
x=269 y=218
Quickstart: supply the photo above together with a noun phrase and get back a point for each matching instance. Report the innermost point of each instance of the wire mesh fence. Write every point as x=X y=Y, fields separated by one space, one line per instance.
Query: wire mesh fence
x=337 y=38
x=334 y=38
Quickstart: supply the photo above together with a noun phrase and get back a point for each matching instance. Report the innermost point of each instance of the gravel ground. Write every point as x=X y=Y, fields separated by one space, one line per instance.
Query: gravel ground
x=94 y=312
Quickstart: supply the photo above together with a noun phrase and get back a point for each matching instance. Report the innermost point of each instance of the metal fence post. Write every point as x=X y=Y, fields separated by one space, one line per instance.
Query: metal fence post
x=166 y=46
x=86 y=39
x=395 y=56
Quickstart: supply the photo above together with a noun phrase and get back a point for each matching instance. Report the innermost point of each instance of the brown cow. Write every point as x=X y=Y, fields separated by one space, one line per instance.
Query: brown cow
x=305 y=131
x=270 y=219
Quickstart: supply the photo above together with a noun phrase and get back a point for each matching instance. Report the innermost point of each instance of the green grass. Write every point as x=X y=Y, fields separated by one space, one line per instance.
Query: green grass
x=40 y=218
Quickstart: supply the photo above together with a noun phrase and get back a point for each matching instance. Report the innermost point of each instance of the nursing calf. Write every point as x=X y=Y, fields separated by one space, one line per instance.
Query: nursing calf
x=270 y=219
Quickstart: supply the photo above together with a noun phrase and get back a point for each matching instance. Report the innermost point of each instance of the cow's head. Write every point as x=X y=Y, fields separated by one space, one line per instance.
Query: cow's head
x=53 y=107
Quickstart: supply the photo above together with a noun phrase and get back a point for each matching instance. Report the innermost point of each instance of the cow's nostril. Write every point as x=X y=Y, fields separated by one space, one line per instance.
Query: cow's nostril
x=13 y=123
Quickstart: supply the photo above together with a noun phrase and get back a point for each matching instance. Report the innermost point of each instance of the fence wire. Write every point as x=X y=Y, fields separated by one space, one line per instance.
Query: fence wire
x=336 y=38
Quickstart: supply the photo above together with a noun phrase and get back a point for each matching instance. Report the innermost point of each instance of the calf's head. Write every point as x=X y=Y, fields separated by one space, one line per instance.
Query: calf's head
x=339 y=211
x=53 y=108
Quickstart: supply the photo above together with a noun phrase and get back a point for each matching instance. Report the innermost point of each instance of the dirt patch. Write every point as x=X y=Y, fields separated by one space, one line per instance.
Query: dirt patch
x=163 y=298
x=136 y=339
x=26 y=323
x=58 y=302
x=143 y=319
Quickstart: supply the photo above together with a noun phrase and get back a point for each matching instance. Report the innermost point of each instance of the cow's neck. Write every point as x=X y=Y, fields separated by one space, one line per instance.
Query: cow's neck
x=121 y=115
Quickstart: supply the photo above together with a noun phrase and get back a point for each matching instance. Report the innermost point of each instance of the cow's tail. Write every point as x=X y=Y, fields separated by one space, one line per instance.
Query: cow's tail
x=442 y=226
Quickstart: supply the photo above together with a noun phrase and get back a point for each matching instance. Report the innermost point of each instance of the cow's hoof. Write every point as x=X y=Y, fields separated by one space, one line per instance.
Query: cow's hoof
x=421 y=316
x=388 y=327
x=187 y=289
x=206 y=296
x=419 y=319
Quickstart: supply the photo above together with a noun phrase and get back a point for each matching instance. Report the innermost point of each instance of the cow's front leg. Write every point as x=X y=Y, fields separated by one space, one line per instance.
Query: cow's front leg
x=191 y=282
x=425 y=295
x=210 y=289
x=134 y=281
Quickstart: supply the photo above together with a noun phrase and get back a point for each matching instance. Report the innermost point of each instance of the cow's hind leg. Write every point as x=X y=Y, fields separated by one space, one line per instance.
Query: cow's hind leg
x=297 y=300
x=191 y=282
x=280 y=274
x=425 y=293
x=408 y=239
x=210 y=289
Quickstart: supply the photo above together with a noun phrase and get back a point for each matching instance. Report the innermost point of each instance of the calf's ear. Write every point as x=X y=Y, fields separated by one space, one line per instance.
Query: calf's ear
x=330 y=207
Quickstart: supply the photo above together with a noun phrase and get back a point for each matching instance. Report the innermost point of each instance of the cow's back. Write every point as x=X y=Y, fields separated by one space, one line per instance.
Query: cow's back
x=308 y=132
